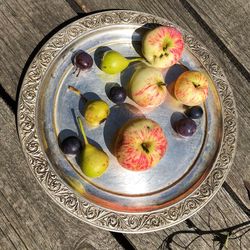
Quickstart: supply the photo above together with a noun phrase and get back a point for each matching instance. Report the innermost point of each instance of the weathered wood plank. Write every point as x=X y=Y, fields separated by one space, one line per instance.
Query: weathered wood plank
x=175 y=11
x=23 y=24
x=230 y=21
x=201 y=231
x=29 y=219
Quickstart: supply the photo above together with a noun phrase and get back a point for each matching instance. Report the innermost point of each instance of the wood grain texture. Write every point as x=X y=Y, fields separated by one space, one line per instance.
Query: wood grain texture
x=200 y=232
x=177 y=13
x=230 y=21
x=23 y=24
x=28 y=217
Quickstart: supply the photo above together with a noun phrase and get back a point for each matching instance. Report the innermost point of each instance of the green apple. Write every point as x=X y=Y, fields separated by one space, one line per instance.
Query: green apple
x=147 y=87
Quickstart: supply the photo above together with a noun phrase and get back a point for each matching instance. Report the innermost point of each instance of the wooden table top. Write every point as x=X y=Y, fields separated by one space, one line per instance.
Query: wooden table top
x=29 y=219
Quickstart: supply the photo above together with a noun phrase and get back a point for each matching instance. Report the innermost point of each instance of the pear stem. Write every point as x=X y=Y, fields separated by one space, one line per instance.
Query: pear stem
x=78 y=92
x=136 y=59
x=82 y=130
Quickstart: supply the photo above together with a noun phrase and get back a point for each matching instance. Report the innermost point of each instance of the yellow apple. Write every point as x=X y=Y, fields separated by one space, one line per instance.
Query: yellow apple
x=191 y=88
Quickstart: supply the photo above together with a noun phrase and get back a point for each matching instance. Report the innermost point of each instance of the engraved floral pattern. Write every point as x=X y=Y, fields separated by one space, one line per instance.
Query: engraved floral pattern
x=57 y=189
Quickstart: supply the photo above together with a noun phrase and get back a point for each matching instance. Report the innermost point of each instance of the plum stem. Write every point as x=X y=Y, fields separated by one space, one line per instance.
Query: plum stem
x=78 y=72
x=78 y=92
x=82 y=130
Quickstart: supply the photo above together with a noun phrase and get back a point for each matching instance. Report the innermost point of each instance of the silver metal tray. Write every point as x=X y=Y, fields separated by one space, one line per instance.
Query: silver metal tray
x=120 y=200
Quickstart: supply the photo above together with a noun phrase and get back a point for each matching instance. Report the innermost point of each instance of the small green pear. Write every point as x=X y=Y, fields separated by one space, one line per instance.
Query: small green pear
x=95 y=112
x=113 y=62
x=93 y=162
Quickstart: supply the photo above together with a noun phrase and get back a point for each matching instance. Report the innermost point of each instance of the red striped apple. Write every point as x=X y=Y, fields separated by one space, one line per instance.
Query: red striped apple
x=163 y=46
x=140 y=144
x=147 y=87
x=191 y=88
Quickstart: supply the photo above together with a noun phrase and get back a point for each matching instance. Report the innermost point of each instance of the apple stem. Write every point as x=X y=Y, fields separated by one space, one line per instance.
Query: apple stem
x=78 y=92
x=145 y=147
x=82 y=130
x=196 y=85
x=162 y=84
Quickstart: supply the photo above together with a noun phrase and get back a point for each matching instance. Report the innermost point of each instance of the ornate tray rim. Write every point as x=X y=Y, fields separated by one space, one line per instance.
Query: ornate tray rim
x=57 y=189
